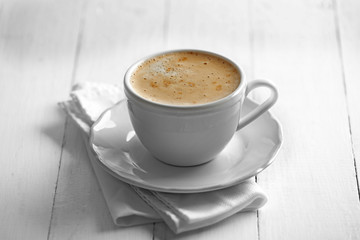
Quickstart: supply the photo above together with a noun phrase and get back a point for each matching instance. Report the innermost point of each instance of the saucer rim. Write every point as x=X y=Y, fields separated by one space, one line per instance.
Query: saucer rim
x=185 y=189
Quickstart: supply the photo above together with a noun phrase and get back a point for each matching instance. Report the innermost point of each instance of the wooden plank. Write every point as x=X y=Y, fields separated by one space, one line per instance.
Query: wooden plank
x=113 y=35
x=222 y=27
x=312 y=186
x=80 y=211
x=348 y=21
x=37 y=47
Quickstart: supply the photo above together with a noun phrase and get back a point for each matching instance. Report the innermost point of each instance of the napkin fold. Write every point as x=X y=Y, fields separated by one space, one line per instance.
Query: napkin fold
x=130 y=205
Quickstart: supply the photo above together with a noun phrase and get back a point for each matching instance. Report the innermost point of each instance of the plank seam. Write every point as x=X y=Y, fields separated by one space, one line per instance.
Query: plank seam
x=258 y=224
x=79 y=41
x=153 y=232
x=252 y=69
x=72 y=81
x=166 y=21
x=251 y=38
x=340 y=52
x=57 y=178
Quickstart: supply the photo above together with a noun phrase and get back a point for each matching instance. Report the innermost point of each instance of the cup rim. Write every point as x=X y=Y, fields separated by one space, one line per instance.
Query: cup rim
x=129 y=90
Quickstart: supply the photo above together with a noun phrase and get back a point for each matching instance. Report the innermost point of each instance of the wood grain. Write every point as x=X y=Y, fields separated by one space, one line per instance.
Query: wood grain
x=312 y=186
x=37 y=47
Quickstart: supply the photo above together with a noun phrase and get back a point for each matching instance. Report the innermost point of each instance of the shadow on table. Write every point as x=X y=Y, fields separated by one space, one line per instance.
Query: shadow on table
x=79 y=204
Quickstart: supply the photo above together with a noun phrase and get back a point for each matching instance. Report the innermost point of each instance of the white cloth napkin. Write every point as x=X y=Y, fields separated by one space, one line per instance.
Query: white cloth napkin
x=130 y=205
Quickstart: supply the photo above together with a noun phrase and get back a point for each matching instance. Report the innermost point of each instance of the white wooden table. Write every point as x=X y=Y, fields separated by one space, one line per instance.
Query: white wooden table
x=309 y=49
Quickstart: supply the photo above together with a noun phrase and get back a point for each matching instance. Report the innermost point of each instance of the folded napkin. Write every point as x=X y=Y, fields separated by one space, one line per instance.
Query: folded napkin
x=130 y=205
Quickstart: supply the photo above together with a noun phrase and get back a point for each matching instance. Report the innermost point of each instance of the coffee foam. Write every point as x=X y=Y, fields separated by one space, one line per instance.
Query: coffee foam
x=185 y=78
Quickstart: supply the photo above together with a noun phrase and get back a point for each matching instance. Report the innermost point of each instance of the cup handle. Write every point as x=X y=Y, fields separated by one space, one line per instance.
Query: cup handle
x=261 y=108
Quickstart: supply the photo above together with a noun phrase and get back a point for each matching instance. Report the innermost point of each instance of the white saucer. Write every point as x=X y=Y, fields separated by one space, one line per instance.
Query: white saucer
x=120 y=152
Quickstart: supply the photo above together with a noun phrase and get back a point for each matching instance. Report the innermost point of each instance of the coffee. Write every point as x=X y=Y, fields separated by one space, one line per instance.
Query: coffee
x=185 y=78
x=174 y=132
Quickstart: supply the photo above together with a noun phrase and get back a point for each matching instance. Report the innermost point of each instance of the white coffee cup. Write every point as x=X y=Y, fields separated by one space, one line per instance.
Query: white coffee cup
x=188 y=135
